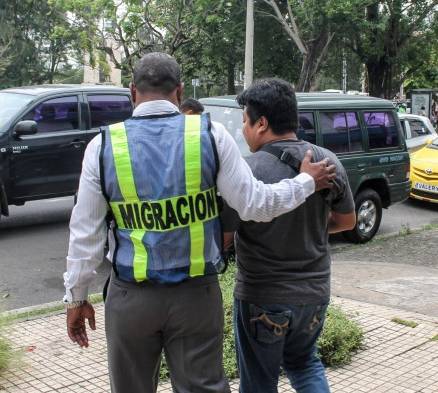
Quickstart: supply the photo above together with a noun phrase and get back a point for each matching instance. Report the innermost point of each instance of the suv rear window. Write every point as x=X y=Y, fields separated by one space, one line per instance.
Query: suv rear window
x=382 y=129
x=341 y=132
x=106 y=109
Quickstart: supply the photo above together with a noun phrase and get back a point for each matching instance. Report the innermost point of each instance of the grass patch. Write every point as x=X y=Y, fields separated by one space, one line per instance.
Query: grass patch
x=340 y=339
x=434 y=338
x=341 y=336
x=404 y=322
x=7 y=355
x=405 y=230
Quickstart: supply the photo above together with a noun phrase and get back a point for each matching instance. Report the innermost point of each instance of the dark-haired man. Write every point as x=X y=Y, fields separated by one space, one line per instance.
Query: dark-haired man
x=283 y=279
x=190 y=106
x=156 y=174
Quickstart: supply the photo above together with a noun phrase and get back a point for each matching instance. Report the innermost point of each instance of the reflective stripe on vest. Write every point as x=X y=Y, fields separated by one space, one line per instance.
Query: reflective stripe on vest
x=125 y=177
x=192 y=154
x=190 y=210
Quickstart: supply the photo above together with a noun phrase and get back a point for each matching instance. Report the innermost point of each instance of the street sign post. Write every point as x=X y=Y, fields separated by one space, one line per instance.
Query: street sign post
x=195 y=83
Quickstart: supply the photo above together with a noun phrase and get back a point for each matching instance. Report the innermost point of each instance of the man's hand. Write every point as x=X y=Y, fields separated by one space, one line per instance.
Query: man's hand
x=76 y=323
x=321 y=171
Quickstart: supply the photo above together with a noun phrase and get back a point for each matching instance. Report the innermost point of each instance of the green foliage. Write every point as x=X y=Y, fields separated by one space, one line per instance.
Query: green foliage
x=341 y=337
x=48 y=41
x=6 y=353
x=392 y=38
x=227 y=286
x=405 y=322
x=35 y=40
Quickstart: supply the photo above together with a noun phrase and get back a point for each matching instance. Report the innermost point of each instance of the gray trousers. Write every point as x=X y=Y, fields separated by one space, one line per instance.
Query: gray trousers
x=185 y=320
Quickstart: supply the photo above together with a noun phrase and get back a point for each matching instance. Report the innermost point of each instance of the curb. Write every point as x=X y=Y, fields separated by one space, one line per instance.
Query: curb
x=342 y=247
x=45 y=309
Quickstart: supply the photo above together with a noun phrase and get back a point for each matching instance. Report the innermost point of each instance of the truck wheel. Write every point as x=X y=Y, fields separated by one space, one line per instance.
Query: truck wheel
x=369 y=214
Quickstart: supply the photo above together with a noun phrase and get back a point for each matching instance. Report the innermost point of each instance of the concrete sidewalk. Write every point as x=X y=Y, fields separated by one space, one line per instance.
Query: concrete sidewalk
x=396 y=358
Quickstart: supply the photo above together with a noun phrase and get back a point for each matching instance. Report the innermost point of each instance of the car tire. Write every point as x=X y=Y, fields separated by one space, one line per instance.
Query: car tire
x=369 y=215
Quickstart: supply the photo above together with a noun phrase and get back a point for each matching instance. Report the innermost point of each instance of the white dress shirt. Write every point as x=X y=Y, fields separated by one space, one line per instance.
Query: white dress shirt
x=252 y=199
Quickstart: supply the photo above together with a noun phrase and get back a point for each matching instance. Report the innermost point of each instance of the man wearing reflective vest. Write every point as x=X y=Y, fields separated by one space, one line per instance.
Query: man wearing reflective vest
x=158 y=174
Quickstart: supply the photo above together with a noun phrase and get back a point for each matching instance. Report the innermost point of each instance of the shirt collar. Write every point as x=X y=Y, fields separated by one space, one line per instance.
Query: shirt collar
x=156 y=107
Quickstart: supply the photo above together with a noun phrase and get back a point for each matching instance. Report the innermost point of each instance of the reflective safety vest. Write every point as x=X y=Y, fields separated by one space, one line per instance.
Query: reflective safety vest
x=159 y=177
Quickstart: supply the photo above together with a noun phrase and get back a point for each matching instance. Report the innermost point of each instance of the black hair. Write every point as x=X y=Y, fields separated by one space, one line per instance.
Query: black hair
x=157 y=72
x=192 y=104
x=274 y=99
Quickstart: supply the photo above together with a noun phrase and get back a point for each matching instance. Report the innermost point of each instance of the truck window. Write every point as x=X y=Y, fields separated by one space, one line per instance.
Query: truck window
x=106 y=109
x=341 y=132
x=382 y=129
x=306 y=127
x=57 y=114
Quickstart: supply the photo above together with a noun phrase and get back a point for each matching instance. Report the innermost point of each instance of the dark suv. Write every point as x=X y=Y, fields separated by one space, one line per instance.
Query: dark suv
x=364 y=132
x=43 y=134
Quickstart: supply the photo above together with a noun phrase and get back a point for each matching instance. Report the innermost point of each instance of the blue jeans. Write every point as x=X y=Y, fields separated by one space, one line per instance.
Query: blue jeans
x=270 y=336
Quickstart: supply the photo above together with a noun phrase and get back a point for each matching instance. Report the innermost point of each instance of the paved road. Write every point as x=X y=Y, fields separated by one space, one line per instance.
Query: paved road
x=33 y=246
x=34 y=242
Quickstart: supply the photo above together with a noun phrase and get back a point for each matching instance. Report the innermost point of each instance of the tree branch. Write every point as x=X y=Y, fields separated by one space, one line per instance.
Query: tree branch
x=289 y=30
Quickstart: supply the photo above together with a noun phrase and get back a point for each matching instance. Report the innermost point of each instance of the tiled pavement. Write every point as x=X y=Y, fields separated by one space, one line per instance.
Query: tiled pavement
x=395 y=359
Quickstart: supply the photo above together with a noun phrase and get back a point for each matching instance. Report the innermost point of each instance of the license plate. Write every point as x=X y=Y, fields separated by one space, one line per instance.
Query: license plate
x=426 y=187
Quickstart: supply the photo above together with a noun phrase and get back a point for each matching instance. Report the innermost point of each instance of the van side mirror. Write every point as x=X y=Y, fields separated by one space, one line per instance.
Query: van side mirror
x=26 y=127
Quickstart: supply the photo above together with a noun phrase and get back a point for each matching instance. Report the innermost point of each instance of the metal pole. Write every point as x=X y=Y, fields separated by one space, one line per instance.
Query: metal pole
x=344 y=72
x=249 y=43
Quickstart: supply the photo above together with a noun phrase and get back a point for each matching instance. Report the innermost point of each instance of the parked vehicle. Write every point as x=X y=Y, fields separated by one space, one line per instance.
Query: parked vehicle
x=417 y=129
x=364 y=132
x=424 y=172
x=43 y=134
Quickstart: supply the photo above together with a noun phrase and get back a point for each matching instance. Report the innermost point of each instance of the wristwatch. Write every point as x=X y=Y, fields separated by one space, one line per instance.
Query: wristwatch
x=75 y=304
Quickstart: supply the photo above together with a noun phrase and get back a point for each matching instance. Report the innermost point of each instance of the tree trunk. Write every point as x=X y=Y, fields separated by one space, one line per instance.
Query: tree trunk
x=231 y=89
x=381 y=68
x=316 y=52
x=376 y=74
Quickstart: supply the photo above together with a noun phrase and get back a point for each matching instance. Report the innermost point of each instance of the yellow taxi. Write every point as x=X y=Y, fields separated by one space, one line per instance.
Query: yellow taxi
x=424 y=173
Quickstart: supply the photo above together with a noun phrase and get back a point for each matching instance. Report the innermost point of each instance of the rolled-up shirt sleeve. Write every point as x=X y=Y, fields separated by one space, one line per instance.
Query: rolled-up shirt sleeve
x=88 y=229
x=251 y=198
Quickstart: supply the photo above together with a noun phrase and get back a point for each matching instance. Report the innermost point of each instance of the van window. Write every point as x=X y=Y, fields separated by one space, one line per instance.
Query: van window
x=306 y=128
x=382 y=129
x=106 y=109
x=341 y=131
x=232 y=119
x=418 y=128
x=57 y=114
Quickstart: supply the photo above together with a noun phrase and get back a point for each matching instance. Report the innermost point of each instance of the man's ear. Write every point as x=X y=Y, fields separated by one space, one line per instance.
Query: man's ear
x=179 y=93
x=133 y=91
x=263 y=125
